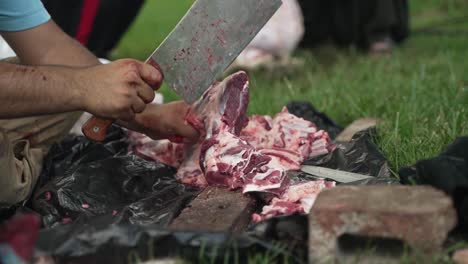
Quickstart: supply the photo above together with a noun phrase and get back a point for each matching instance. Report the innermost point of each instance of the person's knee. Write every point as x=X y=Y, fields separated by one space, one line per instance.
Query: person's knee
x=11 y=195
x=20 y=167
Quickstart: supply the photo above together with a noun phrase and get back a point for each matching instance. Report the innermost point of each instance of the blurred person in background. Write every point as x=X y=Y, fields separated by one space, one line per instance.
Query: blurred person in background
x=277 y=40
x=371 y=25
x=97 y=24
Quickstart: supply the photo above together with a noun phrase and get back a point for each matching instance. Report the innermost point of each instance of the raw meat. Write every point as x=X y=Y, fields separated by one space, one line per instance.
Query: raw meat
x=163 y=150
x=287 y=131
x=190 y=171
x=221 y=109
x=298 y=198
x=240 y=153
x=229 y=161
x=257 y=130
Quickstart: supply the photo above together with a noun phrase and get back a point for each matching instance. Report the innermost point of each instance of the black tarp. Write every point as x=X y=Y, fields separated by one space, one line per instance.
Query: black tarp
x=101 y=205
x=83 y=179
x=99 y=242
x=447 y=172
x=360 y=155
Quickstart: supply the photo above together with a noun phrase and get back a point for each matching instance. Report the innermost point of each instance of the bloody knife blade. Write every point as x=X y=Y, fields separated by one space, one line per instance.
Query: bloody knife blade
x=200 y=48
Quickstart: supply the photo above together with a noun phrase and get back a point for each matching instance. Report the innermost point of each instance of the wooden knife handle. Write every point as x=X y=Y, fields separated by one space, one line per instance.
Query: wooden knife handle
x=96 y=128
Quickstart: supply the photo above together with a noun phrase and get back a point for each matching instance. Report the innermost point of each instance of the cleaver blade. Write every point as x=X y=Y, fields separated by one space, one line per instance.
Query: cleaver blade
x=200 y=48
x=207 y=40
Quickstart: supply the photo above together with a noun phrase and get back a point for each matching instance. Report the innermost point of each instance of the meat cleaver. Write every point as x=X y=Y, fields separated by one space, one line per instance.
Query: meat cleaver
x=204 y=43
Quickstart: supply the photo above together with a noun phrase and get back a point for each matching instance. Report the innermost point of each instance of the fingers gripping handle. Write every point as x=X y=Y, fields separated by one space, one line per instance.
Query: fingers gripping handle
x=96 y=128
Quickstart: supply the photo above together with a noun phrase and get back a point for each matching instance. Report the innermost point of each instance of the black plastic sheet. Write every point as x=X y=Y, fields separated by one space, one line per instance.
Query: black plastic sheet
x=447 y=172
x=360 y=155
x=83 y=179
x=74 y=151
x=99 y=242
x=117 y=207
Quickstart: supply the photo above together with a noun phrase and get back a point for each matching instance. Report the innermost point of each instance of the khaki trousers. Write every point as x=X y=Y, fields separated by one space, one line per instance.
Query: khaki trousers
x=23 y=144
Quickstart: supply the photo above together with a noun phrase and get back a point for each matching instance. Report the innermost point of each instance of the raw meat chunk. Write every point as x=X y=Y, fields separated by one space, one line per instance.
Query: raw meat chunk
x=229 y=161
x=299 y=135
x=239 y=153
x=189 y=171
x=222 y=108
x=165 y=151
x=257 y=130
x=298 y=198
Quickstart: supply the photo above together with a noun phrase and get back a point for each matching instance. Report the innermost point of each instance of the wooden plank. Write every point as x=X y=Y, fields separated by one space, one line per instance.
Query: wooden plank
x=216 y=210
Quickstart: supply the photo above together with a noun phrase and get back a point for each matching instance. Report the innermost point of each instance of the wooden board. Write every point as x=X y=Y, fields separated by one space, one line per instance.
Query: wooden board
x=216 y=210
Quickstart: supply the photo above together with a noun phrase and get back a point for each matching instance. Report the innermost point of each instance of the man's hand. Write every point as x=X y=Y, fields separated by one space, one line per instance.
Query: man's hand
x=118 y=90
x=163 y=121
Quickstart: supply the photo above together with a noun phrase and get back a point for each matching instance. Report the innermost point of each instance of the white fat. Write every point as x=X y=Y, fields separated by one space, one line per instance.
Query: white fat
x=274 y=209
x=233 y=159
x=308 y=202
x=317 y=153
x=259 y=176
x=319 y=143
x=210 y=157
x=257 y=188
x=298 y=127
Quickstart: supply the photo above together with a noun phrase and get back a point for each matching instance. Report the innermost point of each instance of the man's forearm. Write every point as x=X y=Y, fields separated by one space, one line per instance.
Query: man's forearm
x=49 y=45
x=37 y=90
x=63 y=76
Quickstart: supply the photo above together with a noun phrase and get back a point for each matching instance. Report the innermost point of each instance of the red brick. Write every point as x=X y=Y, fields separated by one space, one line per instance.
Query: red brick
x=461 y=256
x=420 y=216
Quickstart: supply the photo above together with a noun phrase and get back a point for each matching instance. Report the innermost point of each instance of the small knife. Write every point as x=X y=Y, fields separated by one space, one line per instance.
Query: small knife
x=336 y=175
x=200 y=48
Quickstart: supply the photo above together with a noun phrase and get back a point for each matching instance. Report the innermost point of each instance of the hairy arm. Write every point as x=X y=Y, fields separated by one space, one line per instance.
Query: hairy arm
x=119 y=90
x=32 y=89
x=36 y=90
x=59 y=75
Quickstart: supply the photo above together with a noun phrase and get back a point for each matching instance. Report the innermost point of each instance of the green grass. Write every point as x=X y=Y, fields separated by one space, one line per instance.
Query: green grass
x=421 y=92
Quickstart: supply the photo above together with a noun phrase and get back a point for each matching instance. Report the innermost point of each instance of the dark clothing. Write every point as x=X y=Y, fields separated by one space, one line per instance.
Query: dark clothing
x=447 y=172
x=97 y=24
x=354 y=22
x=113 y=20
